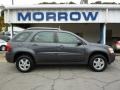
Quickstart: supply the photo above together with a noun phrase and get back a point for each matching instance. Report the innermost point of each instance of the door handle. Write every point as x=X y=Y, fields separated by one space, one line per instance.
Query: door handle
x=34 y=45
x=61 y=46
x=19 y=45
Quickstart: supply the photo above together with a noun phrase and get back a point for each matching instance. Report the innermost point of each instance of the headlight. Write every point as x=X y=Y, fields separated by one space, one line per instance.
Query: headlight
x=111 y=50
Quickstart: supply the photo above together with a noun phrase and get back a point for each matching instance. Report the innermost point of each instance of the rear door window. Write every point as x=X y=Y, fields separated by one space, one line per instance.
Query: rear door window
x=44 y=37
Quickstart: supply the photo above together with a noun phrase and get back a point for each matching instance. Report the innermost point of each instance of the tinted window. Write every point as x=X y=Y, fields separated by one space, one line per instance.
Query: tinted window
x=44 y=37
x=22 y=36
x=67 y=38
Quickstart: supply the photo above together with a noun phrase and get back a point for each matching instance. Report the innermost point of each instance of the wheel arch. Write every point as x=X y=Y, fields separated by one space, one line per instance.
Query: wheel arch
x=24 y=53
x=98 y=53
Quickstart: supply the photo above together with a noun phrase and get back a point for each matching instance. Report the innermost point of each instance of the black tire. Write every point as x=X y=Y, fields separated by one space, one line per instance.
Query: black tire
x=95 y=65
x=26 y=59
x=3 y=48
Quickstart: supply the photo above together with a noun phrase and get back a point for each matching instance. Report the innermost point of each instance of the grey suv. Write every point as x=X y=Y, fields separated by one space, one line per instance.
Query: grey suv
x=53 y=46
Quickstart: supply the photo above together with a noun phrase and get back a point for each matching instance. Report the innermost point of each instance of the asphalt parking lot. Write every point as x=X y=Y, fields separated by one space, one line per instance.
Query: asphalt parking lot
x=60 y=77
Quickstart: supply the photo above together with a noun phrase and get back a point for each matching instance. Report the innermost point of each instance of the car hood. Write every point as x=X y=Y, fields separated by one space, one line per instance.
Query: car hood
x=99 y=45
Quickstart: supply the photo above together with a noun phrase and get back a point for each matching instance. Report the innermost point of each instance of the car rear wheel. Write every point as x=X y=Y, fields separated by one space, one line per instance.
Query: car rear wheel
x=24 y=63
x=98 y=63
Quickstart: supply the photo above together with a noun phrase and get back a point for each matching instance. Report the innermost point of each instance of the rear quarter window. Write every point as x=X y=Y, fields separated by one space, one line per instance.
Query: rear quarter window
x=22 y=37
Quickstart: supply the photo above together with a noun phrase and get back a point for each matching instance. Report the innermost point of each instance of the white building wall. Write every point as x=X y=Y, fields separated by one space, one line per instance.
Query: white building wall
x=89 y=29
x=100 y=14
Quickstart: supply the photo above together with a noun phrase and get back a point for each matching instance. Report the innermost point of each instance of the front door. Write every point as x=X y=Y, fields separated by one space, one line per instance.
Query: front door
x=68 y=48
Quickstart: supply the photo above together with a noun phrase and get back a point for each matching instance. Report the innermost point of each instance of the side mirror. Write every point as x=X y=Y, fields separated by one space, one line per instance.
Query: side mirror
x=79 y=43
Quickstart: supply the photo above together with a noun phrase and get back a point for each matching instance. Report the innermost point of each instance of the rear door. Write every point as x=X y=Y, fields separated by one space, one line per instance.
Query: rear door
x=43 y=43
x=68 y=48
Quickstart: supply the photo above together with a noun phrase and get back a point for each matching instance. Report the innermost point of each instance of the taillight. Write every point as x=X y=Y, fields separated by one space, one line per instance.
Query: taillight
x=8 y=47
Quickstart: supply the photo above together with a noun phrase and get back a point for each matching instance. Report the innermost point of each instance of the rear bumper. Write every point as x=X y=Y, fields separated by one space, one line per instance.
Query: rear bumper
x=111 y=58
x=9 y=57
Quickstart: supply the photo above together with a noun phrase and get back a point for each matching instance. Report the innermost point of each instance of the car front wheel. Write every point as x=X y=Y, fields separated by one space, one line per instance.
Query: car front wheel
x=24 y=63
x=98 y=63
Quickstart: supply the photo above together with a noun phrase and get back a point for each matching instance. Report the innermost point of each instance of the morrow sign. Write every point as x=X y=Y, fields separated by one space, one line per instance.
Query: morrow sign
x=57 y=16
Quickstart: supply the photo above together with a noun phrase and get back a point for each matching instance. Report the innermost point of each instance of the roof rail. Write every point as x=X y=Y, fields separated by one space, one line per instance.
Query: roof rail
x=43 y=28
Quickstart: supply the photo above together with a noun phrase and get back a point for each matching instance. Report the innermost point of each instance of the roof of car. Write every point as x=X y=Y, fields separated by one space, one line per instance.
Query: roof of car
x=42 y=28
x=37 y=29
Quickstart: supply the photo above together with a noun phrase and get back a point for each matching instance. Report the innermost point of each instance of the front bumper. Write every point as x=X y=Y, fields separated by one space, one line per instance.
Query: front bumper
x=111 y=58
